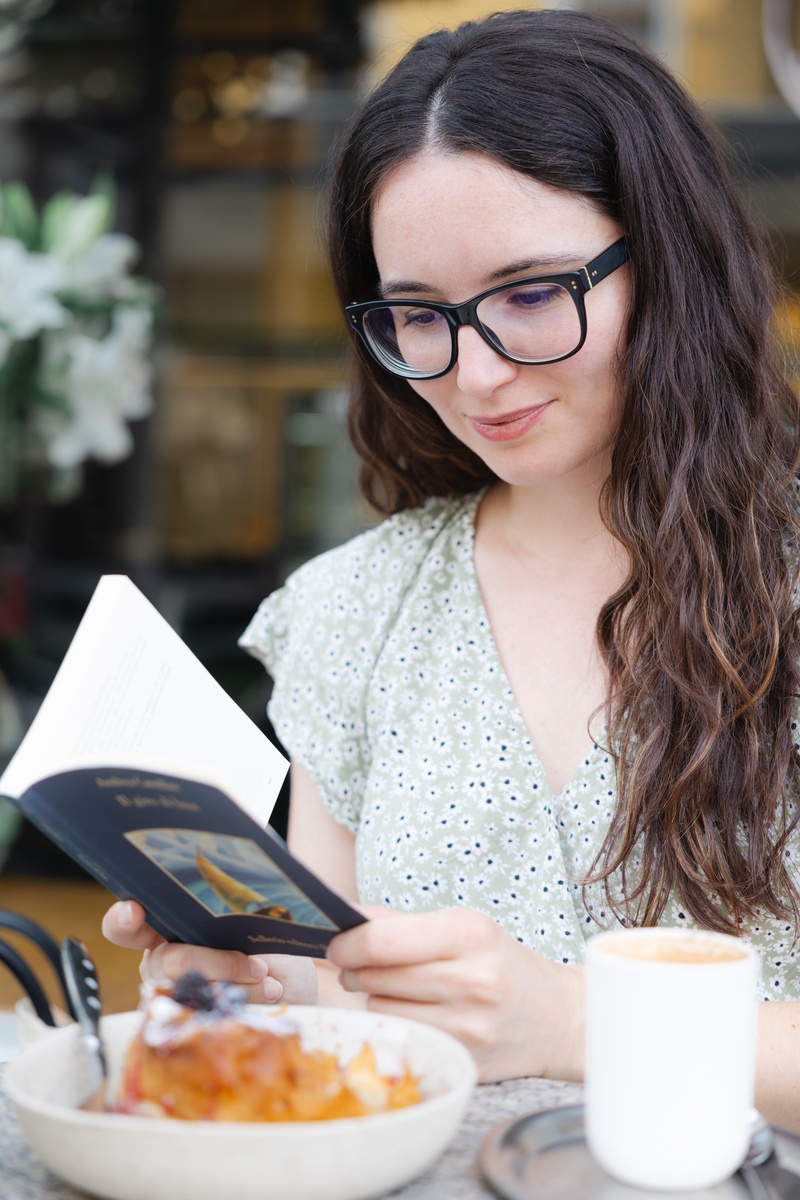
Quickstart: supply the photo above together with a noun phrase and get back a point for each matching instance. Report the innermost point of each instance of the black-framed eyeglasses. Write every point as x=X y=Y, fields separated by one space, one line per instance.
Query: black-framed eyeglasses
x=541 y=319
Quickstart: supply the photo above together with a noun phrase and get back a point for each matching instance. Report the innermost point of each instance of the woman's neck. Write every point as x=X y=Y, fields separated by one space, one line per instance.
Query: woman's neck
x=551 y=525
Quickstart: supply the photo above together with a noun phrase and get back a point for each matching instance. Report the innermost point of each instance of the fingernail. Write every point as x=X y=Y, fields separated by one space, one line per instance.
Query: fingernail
x=125 y=915
x=258 y=969
x=271 y=990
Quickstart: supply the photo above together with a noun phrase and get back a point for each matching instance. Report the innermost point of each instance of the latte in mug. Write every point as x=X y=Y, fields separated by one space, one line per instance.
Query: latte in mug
x=670 y=1055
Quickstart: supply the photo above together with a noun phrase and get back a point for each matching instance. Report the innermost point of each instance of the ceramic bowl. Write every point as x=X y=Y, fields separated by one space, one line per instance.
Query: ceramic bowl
x=140 y=1158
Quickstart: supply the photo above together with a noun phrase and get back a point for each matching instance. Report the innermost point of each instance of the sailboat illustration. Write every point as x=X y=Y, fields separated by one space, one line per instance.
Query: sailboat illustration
x=238 y=896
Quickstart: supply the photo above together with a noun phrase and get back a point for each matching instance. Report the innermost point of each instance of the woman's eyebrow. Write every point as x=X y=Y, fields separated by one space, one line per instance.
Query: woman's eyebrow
x=400 y=287
x=543 y=263
x=540 y=264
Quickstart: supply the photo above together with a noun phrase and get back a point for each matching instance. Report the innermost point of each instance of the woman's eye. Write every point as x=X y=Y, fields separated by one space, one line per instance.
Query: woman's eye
x=529 y=298
x=420 y=317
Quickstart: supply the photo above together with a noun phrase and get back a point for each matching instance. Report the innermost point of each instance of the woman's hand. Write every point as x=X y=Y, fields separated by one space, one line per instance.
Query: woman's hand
x=267 y=978
x=516 y=1011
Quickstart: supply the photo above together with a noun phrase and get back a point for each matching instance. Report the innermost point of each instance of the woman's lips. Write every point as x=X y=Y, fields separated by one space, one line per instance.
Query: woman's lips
x=509 y=426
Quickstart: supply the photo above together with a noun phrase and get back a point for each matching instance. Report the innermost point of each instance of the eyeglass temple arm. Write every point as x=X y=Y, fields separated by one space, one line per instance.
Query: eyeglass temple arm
x=604 y=264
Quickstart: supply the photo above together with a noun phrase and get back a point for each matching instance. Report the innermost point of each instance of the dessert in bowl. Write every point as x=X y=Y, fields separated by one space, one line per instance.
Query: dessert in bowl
x=201 y=1053
x=129 y=1156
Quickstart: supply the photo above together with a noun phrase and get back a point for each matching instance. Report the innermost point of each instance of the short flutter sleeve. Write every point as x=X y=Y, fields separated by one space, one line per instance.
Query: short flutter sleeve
x=320 y=637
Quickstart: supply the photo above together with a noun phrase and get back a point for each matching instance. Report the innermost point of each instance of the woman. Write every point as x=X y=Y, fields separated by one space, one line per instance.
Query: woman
x=555 y=689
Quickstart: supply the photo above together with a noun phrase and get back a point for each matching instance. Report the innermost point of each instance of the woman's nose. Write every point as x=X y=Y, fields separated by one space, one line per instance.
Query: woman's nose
x=480 y=369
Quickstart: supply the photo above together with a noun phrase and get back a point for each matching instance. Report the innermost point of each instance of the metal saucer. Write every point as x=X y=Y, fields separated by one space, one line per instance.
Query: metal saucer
x=544 y=1156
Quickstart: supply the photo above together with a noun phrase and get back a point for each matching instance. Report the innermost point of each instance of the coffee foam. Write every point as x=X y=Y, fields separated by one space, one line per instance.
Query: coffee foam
x=683 y=948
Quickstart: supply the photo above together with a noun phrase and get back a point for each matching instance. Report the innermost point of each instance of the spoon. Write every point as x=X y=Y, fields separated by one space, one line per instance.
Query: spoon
x=762 y=1143
x=771 y=1181
x=84 y=992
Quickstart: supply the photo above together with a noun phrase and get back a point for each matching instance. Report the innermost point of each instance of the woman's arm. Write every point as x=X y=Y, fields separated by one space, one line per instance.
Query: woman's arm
x=519 y=1014
x=328 y=849
x=317 y=840
x=778 y=1069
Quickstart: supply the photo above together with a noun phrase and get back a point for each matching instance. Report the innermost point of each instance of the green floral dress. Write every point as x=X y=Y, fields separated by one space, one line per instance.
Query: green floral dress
x=389 y=690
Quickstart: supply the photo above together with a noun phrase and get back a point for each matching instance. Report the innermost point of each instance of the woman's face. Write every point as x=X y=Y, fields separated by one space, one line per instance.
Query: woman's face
x=448 y=226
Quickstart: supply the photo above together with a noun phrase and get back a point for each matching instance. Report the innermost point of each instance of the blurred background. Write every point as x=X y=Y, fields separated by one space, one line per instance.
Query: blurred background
x=192 y=434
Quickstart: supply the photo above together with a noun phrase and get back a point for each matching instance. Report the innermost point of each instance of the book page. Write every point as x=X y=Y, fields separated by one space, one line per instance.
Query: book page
x=128 y=692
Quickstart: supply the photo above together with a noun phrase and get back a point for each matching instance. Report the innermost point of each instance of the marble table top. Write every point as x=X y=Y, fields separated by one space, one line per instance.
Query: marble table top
x=455 y=1176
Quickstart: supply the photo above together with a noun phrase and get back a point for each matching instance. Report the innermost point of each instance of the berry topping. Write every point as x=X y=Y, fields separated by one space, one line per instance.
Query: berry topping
x=194 y=991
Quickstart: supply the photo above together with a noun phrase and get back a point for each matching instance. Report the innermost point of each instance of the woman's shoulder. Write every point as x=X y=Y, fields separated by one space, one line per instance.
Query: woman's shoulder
x=354 y=588
x=389 y=548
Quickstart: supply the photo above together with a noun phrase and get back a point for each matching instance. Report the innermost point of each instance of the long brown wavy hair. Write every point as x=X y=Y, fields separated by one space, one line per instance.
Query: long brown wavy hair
x=701 y=642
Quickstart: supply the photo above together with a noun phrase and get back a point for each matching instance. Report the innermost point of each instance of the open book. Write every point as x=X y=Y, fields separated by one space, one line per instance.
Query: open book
x=143 y=769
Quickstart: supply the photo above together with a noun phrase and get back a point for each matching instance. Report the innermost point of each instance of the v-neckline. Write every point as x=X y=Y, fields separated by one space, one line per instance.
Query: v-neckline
x=470 y=514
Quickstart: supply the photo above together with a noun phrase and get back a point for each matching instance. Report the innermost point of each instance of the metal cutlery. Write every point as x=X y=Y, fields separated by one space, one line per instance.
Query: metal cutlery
x=84 y=992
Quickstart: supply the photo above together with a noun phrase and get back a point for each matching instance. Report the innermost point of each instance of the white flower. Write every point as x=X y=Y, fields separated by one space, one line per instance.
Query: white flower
x=105 y=383
x=74 y=315
x=129 y=341
x=28 y=286
x=102 y=271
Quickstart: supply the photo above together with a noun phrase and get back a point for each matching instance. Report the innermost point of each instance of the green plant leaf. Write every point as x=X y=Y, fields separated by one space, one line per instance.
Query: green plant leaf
x=19 y=217
x=66 y=217
x=104 y=185
x=55 y=215
x=88 y=219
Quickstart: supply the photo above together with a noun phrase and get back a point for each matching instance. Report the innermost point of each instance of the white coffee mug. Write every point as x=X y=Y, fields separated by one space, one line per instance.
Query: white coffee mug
x=670 y=1055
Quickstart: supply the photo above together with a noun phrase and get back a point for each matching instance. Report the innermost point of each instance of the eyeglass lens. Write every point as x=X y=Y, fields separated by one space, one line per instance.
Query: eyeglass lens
x=534 y=322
